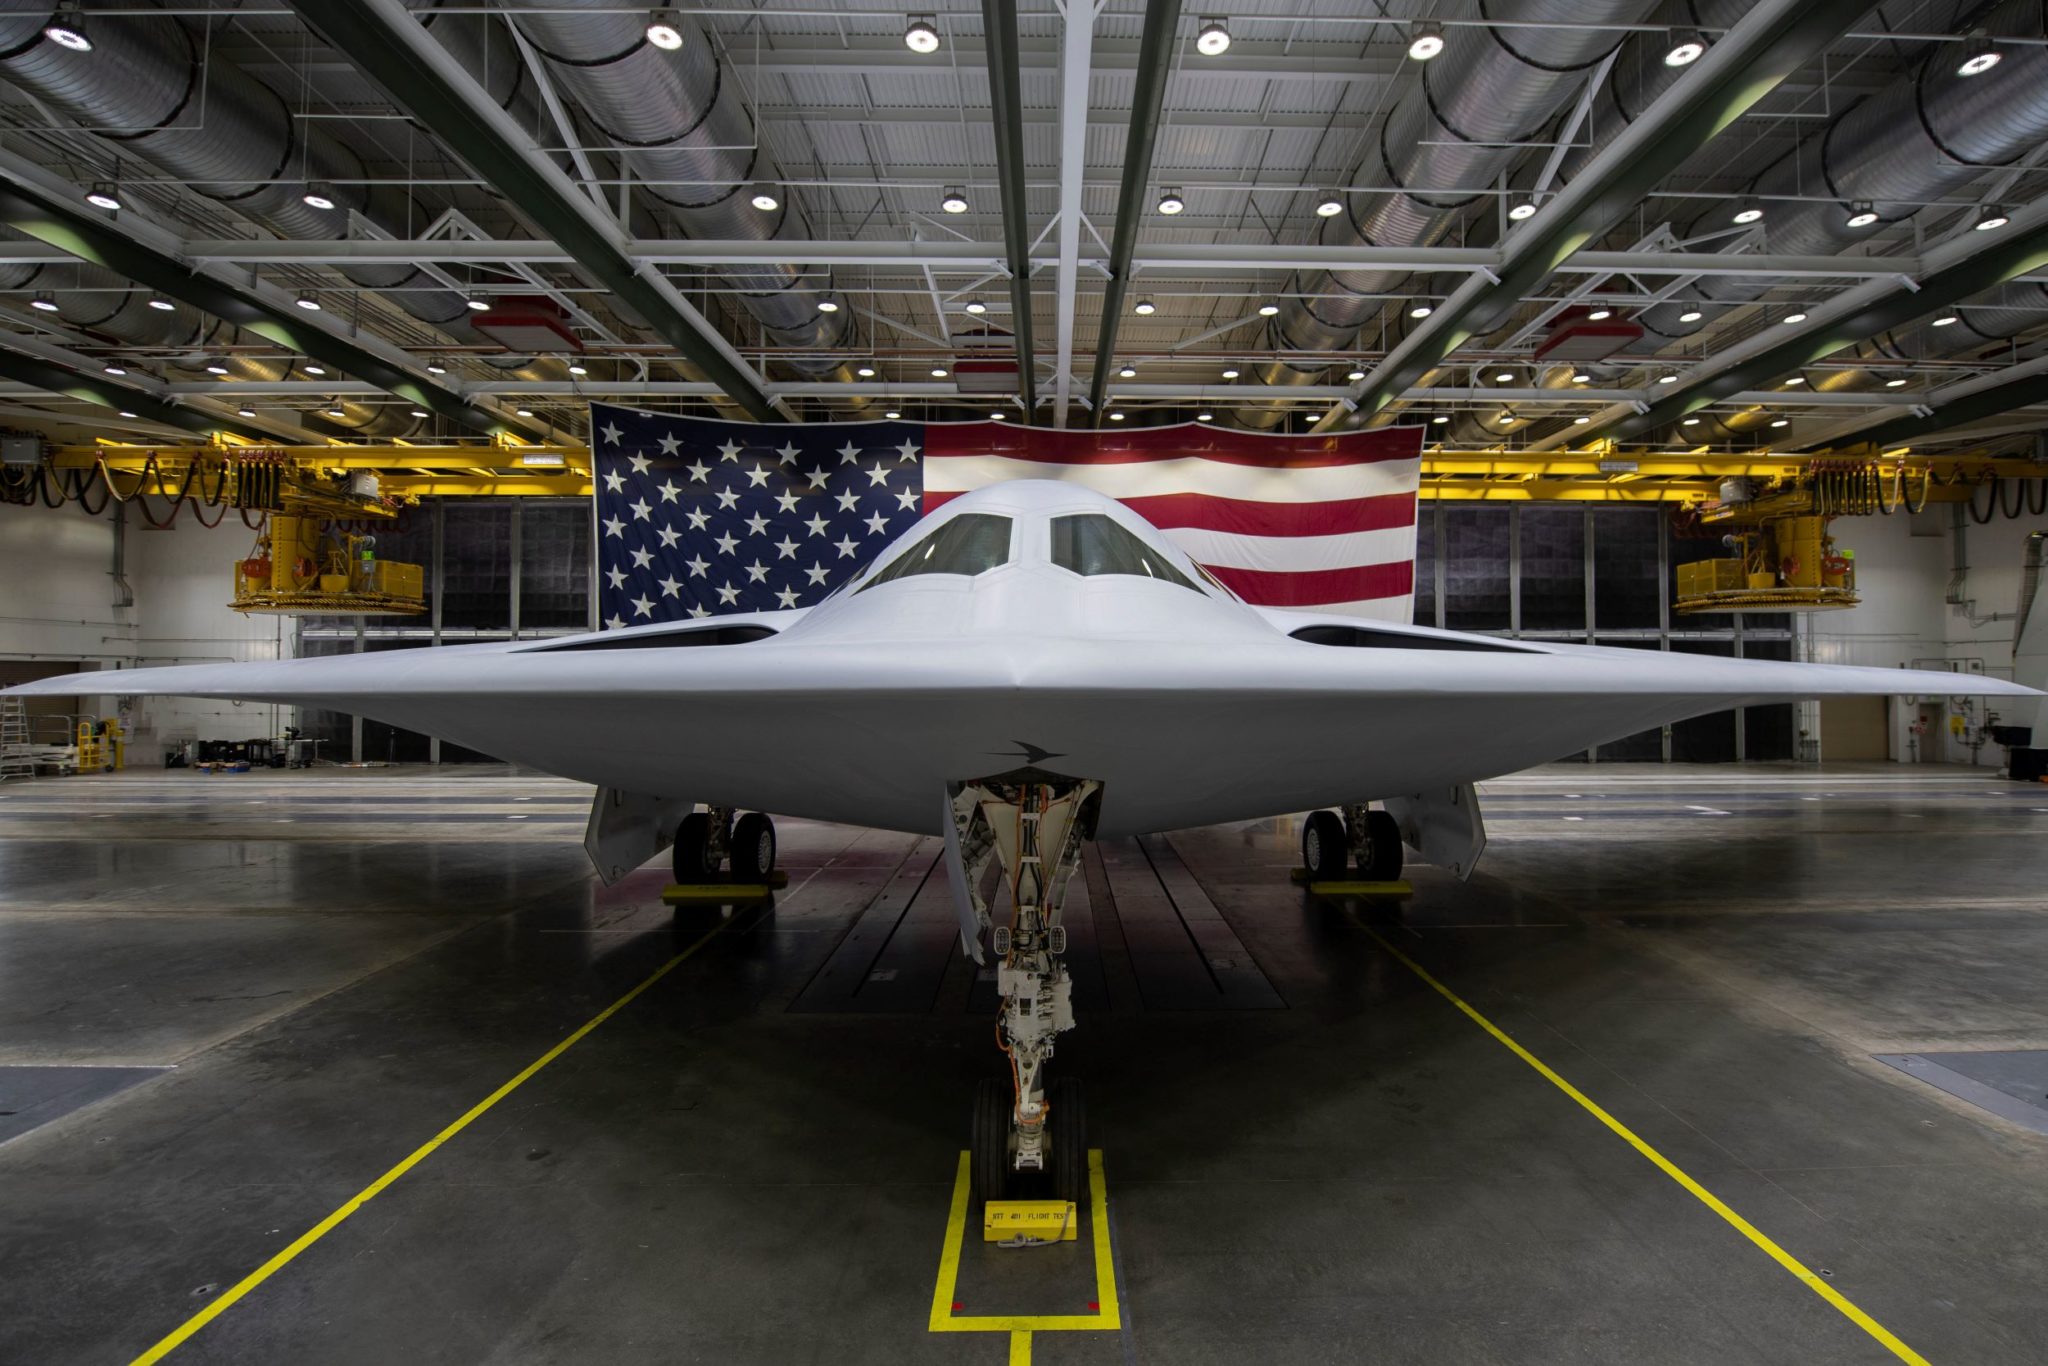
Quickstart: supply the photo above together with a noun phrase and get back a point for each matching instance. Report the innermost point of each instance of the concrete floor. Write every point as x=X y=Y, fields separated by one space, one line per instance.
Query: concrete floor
x=1310 y=1155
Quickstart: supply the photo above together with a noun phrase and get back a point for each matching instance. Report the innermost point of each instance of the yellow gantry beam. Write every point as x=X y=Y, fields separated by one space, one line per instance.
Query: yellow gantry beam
x=504 y=471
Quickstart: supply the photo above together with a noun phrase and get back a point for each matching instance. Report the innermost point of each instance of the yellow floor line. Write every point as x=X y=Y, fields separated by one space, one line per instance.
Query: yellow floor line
x=1020 y=1347
x=214 y=1310
x=1809 y=1279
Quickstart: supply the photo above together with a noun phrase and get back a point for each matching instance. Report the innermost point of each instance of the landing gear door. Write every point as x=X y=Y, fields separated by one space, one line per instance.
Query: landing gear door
x=626 y=829
x=1443 y=826
x=966 y=903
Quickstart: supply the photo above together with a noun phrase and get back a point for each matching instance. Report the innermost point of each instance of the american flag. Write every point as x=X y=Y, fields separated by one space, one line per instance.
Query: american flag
x=698 y=517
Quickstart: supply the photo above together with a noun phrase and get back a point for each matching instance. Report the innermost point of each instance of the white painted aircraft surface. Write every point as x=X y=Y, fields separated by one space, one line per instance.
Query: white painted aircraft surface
x=1030 y=666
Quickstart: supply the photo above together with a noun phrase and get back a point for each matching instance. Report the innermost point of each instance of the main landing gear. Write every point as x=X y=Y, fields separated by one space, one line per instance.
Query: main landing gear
x=1370 y=838
x=1028 y=1138
x=707 y=840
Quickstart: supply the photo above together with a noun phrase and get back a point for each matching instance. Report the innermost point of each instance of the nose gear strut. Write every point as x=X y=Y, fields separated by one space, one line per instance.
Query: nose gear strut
x=1035 y=824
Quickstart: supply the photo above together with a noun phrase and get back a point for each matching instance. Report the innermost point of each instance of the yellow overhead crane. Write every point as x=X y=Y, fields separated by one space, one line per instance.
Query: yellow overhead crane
x=316 y=549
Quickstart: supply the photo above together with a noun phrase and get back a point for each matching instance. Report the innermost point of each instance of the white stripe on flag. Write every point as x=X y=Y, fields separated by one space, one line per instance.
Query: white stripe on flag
x=1295 y=554
x=1191 y=474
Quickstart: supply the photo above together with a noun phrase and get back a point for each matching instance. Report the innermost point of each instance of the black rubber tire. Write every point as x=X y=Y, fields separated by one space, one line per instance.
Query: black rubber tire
x=1380 y=859
x=988 y=1144
x=753 y=848
x=1069 y=1140
x=1324 y=850
x=692 y=852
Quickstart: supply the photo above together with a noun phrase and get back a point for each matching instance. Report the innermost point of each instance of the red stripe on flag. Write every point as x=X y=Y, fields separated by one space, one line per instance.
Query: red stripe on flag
x=1242 y=517
x=1055 y=446
x=1265 y=588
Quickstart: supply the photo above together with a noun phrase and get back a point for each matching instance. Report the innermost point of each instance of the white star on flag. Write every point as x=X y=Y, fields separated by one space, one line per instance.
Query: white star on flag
x=846 y=547
x=788 y=453
x=785 y=549
x=670 y=444
x=786 y=596
x=816 y=524
x=729 y=451
x=617 y=576
x=670 y=587
x=849 y=454
x=642 y=558
x=640 y=463
x=757 y=525
x=758 y=477
x=877 y=523
x=878 y=474
x=757 y=572
x=640 y=511
x=669 y=536
x=698 y=471
x=614 y=481
x=643 y=607
x=908 y=452
x=728 y=595
x=611 y=434
x=614 y=527
x=846 y=501
x=727 y=544
x=668 y=491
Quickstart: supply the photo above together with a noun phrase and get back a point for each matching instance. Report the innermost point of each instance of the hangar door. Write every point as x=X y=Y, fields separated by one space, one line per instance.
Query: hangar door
x=1855 y=728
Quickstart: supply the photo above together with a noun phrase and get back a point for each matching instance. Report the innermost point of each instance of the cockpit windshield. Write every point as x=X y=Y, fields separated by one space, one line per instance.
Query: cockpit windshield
x=1090 y=544
x=970 y=544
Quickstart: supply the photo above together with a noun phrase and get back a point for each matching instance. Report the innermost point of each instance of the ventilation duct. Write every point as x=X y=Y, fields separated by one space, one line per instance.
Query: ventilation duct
x=1469 y=114
x=681 y=124
x=139 y=91
x=1924 y=138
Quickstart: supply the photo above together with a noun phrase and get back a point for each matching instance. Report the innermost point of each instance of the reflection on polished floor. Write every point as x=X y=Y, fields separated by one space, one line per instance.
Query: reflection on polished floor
x=1310 y=1155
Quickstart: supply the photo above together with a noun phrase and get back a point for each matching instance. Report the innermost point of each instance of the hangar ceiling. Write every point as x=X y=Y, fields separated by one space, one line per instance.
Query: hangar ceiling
x=1713 y=227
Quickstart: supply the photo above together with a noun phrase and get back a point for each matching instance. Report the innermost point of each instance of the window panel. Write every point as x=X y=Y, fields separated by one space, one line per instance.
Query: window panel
x=1090 y=544
x=1553 y=546
x=1475 y=552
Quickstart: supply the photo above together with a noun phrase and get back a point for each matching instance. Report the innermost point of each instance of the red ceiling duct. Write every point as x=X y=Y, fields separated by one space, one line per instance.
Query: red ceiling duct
x=528 y=325
x=1576 y=339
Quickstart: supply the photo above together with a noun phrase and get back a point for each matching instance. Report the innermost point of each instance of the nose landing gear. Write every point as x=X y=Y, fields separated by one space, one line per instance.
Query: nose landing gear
x=1027 y=1138
x=706 y=840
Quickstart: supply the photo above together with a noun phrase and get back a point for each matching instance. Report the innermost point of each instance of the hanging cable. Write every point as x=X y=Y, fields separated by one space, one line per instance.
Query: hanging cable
x=1990 y=505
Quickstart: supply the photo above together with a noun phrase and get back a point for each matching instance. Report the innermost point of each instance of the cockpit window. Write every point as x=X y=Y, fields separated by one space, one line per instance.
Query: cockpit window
x=1090 y=544
x=972 y=543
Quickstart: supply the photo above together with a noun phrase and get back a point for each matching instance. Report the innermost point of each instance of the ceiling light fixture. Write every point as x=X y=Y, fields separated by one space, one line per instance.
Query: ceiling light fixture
x=1862 y=214
x=1144 y=308
x=433 y=368
x=1781 y=422
x=1170 y=202
x=1214 y=39
x=866 y=372
x=1329 y=203
x=1230 y=373
x=1580 y=421
x=1505 y=419
x=125 y=413
x=313 y=369
x=1690 y=422
x=523 y=412
x=245 y=412
x=478 y=304
x=1978 y=54
x=548 y=459
x=1667 y=379
x=892 y=415
x=1746 y=211
x=579 y=370
x=1420 y=311
x=1116 y=417
x=1523 y=209
x=1947 y=318
x=1795 y=317
x=308 y=302
x=43 y=303
x=1127 y=372
x=976 y=307
x=1355 y=376
x=1894 y=383
x=995 y=417
x=1600 y=315
x=1581 y=377
x=765 y=199
x=1439 y=420
x=104 y=194
x=938 y=372
x=336 y=412
x=67 y=31
x=1796 y=379
x=1503 y=377
x=664 y=30
x=160 y=303
x=1991 y=216
x=1686 y=47
x=318 y=194
x=114 y=370
x=1692 y=314
x=1268 y=310
x=1205 y=417
x=954 y=200
x=216 y=369
x=921 y=33
x=419 y=412
x=828 y=306
x=1425 y=41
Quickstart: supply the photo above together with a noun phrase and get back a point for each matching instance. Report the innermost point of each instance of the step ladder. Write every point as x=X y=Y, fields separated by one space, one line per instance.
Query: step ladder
x=16 y=759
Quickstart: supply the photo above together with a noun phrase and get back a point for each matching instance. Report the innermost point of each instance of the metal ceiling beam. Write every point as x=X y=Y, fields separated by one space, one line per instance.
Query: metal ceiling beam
x=976 y=257
x=1155 y=62
x=999 y=30
x=42 y=377
x=2014 y=394
x=419 y=76
x=1076 y=55
x=1844 y=323
x=1767 y=45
